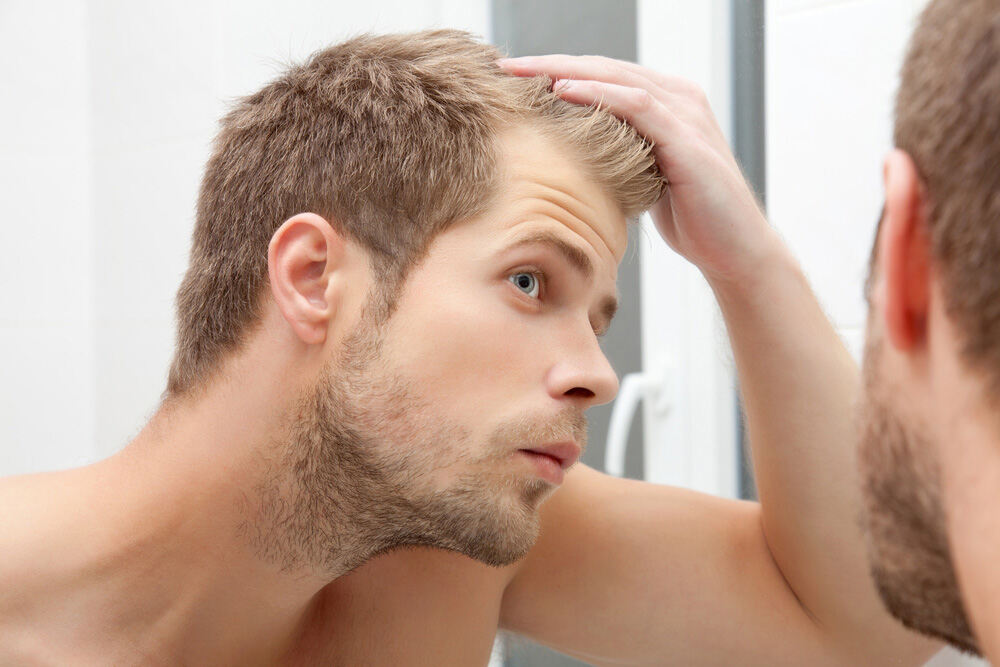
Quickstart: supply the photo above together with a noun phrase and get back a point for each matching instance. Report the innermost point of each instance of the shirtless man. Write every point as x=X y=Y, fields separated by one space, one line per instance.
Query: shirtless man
x=387 y=338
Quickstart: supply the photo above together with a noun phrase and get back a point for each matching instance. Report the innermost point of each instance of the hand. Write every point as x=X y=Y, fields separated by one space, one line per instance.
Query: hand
x=708 y=213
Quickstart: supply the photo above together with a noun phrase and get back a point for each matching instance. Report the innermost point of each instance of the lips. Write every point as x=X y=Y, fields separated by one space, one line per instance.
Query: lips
x=564 y=453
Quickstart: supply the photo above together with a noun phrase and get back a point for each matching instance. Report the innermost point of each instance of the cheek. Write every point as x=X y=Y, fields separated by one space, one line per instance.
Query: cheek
x=469 y=353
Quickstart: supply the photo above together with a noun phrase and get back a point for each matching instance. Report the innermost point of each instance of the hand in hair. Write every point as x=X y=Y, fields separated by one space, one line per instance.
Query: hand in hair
x=708 y=212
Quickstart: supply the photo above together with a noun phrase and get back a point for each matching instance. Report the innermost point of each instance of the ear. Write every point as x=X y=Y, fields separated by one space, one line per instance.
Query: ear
x=304 y=260
x=905 y=253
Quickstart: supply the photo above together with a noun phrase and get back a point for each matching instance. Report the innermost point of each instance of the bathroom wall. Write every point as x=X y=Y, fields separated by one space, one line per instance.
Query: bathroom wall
x=831 y=75
x=47 y=269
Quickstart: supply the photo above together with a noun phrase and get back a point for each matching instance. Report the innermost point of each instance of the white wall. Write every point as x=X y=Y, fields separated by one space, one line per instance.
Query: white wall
x=47 y=353
x=109 y=109
x=832 y=72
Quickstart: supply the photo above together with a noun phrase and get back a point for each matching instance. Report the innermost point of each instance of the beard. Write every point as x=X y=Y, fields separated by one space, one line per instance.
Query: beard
x=904 y=517
x=371 y=466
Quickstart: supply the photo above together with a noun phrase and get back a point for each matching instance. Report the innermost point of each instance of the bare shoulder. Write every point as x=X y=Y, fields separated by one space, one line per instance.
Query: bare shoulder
x=43 y=513
x=23 y=498
x=26 y=542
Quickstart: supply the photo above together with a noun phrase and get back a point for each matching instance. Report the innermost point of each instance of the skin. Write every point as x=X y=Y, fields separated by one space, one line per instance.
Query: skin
x=136 y=559
x=127 y=545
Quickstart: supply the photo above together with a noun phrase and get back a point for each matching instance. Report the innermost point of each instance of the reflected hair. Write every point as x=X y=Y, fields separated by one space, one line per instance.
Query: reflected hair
x=948 y=120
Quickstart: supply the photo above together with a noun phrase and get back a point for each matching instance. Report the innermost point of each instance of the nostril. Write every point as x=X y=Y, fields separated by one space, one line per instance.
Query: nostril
x=581 y=392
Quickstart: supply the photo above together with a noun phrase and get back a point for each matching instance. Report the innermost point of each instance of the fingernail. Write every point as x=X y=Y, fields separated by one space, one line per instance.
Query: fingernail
x=561 y=85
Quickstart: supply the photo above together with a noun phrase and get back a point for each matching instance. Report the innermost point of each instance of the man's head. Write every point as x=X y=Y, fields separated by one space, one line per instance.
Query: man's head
x=934 y=323
x=389 y=138
x=459 y=229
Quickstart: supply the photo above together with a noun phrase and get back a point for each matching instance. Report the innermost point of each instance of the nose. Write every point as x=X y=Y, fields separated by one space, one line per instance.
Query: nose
x=586 y=378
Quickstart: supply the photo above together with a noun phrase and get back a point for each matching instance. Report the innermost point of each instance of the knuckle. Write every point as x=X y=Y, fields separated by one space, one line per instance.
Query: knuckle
x=703 y=99
x=693 y=91
x=602 y=62
x=699 y=95
x=642 y=100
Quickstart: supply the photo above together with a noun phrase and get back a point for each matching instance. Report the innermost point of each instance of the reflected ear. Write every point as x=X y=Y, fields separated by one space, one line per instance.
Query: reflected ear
x=905 y=253
x=304 y=262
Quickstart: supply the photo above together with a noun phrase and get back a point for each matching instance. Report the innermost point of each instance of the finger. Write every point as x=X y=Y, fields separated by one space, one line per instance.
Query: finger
x=580 y=67
x=675 y=85
x=640 y=109
x=684 y=97
x=600 y=68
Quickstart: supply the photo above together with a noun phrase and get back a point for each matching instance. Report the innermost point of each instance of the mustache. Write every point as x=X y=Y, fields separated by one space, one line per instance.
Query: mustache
x=536 y=429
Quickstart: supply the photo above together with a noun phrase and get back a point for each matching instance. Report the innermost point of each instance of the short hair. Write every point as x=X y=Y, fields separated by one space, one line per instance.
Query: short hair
x=948 y=121
x=391 y=138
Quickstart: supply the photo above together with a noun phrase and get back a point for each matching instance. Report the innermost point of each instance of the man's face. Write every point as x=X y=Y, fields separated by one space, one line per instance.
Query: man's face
x=903 y=511
x=416 y=433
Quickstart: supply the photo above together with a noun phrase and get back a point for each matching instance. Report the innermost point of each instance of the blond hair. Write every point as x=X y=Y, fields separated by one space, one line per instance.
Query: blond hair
x=391 y=138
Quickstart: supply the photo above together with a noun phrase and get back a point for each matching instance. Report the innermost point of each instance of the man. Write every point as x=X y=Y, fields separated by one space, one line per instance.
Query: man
x=387 y=338
x=930 y=445
x=329 y=401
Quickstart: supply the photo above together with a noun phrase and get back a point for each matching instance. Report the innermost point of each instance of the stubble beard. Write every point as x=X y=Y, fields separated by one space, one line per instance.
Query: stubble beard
x=904 y=517
x=358 y=475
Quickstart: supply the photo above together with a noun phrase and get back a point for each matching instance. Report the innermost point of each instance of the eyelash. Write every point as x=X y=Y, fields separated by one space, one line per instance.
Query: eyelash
x=542 y=287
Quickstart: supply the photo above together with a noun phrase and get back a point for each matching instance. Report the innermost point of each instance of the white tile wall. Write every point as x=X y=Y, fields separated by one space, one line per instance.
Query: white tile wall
x=47 y=407
x=260 y=36
x=831 y=73
x=47 y=404
x=44 y=74
x=47 y=234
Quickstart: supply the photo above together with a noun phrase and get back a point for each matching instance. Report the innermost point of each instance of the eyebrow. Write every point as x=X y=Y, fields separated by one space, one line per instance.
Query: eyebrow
x=579 y=260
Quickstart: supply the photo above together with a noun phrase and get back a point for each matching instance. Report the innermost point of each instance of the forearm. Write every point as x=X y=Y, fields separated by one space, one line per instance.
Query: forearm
x=800 y=387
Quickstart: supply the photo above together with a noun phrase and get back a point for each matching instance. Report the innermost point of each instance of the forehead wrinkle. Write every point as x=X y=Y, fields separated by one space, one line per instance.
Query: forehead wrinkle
x=531 y=207
x=536 y=167
x=563 y=198
x=566 y=199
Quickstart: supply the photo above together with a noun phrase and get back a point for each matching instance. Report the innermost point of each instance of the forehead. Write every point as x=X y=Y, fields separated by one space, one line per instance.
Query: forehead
x=542 y=184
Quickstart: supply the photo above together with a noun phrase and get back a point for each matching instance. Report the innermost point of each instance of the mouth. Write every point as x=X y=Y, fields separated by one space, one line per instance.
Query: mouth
x=565 y=454
x=551 y=461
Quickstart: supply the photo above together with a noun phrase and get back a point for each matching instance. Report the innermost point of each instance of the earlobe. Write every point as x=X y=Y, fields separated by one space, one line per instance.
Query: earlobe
x=302 y=260
x=905 y=254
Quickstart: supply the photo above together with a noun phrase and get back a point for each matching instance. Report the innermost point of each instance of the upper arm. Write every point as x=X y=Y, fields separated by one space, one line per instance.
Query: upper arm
x=629 y=572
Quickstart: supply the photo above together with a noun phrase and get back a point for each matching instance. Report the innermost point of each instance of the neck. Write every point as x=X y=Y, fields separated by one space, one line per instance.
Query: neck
x=150 y=547
x=970 y=469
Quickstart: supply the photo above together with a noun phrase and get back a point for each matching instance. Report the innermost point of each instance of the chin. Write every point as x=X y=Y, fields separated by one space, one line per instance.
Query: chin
x=494 y=521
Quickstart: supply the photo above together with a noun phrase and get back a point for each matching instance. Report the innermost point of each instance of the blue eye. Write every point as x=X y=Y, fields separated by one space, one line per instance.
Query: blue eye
x=526 y=282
